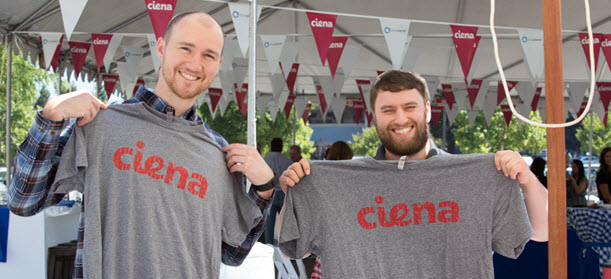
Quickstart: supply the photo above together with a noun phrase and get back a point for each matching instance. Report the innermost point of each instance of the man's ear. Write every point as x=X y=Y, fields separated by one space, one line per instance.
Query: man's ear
x=160 y=48
x=428 y=111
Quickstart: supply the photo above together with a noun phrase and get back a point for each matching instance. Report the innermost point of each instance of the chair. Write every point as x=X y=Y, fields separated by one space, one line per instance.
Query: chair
x=285 y=267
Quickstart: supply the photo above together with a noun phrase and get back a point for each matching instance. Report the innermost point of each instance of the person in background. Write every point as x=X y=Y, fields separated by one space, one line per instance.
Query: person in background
x=603 y=177
x=278 y=163
x=538 y=168
x=295 y=153
x=339 y=151
x=578 y=186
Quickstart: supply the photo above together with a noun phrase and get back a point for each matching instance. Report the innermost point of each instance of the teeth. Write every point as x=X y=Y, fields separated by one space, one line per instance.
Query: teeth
x=188 y=76
x=403 y=131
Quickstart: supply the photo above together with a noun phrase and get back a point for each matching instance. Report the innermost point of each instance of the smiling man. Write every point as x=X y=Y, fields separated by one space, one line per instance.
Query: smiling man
x=413 y=211
x=163 y=193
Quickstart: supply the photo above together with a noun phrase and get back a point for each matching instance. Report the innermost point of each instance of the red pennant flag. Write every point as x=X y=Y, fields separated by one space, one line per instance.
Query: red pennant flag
x=79 y=52
x=436 y=112
x=369 y=116
x=290 y=80
x=160 y=12
x=359 y=84
x=100 y=45
x=109 y=83
x=379 y=72
x=473 y=90
x=306 y=113
x=604 y=89
x=606 y=48
x=358 y=106
x=289 y=105
x=55 y=58
x=581 y=109
x=215 y=95
x=322 y=27
x=321 y=97
x=139 y=83
x=466 y=42
x=240 y=97
x=605 y=119
x=506 y=113
x=448 y=93
x=597 y=38
x=535 y=101
x=336 y=47
x=501 y=90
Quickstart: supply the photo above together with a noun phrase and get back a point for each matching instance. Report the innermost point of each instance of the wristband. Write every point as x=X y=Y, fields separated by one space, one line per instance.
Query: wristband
x=267 y=186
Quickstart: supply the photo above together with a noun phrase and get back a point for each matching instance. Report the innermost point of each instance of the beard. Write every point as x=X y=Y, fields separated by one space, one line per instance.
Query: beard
x=405 y=147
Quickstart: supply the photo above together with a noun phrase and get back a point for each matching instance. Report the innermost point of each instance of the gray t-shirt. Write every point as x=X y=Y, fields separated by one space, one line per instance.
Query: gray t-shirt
x=437 y=218
x=159 y=199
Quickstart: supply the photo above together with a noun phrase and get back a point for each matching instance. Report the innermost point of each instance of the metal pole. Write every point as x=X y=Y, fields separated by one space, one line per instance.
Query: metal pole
x=294 y=123
x=9 y=73
x=59 y=80
x=590 y=153
x=252 y=69
x=554 y=102
x=444 y=120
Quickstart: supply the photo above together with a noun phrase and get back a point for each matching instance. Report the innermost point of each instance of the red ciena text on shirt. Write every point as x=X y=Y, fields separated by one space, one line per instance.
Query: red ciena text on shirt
x=449 y=212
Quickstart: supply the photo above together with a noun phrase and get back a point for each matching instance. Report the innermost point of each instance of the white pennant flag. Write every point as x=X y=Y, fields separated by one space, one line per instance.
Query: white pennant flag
x=153 y=48
x=71 y=12
x=395 y=32
x=523 y=109
x=337 y=83
x=460 y=94
x=300 y=105
x=287 y=56
x=452 y=114
x=526 y=92
x=489 y=107
x=349 y=57
x=409 y=63
x=201 y=98
x=49 y=45
x=272 y=46
x=262 y=103
x=226 y=78
x=481 y=94
x=240 y=14
x=542 y=113
x=223 y=104
x=126 y=77
x=327 y=88
x=577 y=91
x=111 y=50
x=432 y=82
x=240 y=69
x=229 y=53
x=133 y=57
x=338 y=105
x=278 y=85
x=273 y=110
x=532 y=48
x=471 y=114
x=597 y=106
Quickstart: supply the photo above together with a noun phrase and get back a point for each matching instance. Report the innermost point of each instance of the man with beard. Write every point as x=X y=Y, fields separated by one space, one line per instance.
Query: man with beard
x=163 y=197
x=472 y=208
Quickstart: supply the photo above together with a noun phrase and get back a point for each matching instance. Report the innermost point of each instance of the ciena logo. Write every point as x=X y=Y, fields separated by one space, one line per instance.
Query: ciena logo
x=585 y=41
x=97 y=41
x=159 y=6
x=461 y=35
x=524 y=39
x=236 y=14
x=78 y=50
x=388 y=30
x=321 y=23
x=606 y=43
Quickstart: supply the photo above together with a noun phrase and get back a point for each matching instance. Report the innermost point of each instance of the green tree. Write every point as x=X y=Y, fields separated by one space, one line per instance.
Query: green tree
x=365 y=142
x=43 y=97
x=481 y=139
x=24 y=92
x=234 y=129
x=601 y=136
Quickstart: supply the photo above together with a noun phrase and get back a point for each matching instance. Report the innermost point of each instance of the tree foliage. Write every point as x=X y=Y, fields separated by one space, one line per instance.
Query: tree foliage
x=601 y=136
x=365 y=142
x=26 y=79
x=481 y=139
x=234 y=129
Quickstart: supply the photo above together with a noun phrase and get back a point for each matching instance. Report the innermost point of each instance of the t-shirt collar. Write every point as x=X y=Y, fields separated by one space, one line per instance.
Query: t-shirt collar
x=148 y=97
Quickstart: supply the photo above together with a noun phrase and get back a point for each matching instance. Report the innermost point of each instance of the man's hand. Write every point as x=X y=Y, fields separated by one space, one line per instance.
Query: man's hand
x=247 y=160
x=294 y=173
x=73 y=105
x=513 y=165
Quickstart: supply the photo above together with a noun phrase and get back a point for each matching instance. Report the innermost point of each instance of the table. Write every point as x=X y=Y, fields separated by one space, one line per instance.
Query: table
x=593 y=227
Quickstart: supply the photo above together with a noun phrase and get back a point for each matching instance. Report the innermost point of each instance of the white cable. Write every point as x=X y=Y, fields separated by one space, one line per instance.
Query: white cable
x=502 y=74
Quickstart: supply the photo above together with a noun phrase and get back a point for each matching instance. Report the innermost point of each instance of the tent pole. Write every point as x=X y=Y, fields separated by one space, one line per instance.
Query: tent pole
x=554 y=102
x=9 y=67
x=252 y=60
x=590 y=152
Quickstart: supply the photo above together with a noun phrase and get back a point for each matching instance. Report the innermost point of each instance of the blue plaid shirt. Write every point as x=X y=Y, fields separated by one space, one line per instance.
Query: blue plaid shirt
x=38 y=159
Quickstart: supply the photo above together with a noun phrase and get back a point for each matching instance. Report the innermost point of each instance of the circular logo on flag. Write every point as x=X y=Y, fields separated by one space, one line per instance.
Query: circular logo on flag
x=266 y=44
x=524 y=39
x=127 y=54
x=44 y=42
x=386 y=30
x=234 y=65
x=235 y=14
x=152 y=43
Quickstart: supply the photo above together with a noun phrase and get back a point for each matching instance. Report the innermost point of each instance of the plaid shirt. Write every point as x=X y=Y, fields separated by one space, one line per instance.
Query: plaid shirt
x=38 y=159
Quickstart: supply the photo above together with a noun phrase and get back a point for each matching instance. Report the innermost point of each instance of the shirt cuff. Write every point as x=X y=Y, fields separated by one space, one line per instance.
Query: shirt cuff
x=261 y=202
x=45 y=130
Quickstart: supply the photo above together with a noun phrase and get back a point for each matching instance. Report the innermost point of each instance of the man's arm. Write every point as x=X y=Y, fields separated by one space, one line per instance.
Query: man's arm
x=535 y=195
x=38 y=156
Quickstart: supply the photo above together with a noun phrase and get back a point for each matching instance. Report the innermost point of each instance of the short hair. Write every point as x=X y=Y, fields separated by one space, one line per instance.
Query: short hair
x=538 y=166
x=398 y=80
x=168 y=31
x=297 y=147
x=276 y=145
x=339 y=151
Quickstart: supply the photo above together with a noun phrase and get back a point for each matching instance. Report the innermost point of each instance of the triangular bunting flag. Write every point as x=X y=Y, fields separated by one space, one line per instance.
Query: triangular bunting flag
x=272 y=46
x=448 y=93
x=336 y=47
x=292 y=77
x=240 y=69
x=577 y=90
x=139 y=82
x=71 y=12
x=606 y=48
x=115 y=41
x=506 y=113
x=349 y=57
x=215 y=96
x=338 y=105
x=51 y=46
x=501 y=90
x=322 y=27
x=535 y=101
x=240 y=15
x=597 y=39
x=133 y=57
x=240 y=97
x=604 y=89
x=153 y=48
x=306 y=113
x=278 y=84
x=289 y=105
x=532 y=49
x=230 y=49
x=473 y=89
x=359 y=107
x=288 y=55
x=466 y=42
x=411 y=56
x=321 y=97
x=160 y=12
x=364 y=86
x=100 y=45
x=436 y=112
x=396 y=33
x=489 y=107
x=109 y=83
x=79 y=52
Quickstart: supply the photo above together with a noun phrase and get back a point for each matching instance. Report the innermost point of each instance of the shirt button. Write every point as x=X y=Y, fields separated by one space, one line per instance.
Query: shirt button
x=41 y=130
x=53 y=133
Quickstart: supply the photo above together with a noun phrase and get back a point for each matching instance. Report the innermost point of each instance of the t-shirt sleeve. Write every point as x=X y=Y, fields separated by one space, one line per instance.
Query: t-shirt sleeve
x=70 y=174
x=240 y=213
x=511 y=228
x=298 y=228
